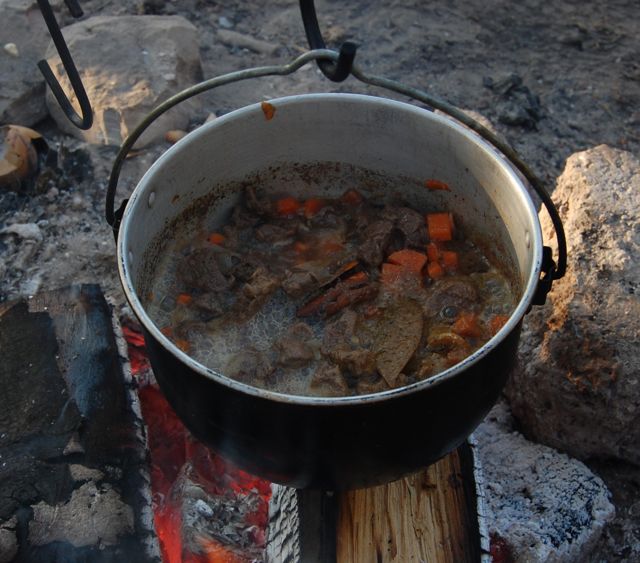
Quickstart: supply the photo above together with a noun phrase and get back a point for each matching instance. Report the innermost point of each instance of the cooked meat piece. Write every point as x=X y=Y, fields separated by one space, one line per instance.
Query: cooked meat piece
x=398 y=335
x=261 y=284
x=295 y=348
x=350 y=291
x=328 y=381
x=249 y=366
x=210 y=305
x=459 y=294
x=255 y=204
x=431 y=365
x=442 y=339
x=328 y=218
x=412 y=225
x=242 y=218
x=274 y=233
x=342 y=346
x=298 y=282
x=339 y=331
x=357 y=361
x=376 y=237
x=200 y=270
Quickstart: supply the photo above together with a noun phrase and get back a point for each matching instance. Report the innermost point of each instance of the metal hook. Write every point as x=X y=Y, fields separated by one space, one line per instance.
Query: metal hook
x=86 y=120
x=335 y=71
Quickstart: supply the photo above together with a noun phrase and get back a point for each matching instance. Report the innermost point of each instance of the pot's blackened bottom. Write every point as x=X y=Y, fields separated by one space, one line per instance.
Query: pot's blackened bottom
x=335 y=446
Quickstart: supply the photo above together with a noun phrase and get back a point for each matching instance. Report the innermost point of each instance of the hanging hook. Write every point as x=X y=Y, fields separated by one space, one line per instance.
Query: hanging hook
x=335 y=71
x=86 y=120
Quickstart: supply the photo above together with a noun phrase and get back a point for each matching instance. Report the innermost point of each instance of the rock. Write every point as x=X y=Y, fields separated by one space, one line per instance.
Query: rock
x=577 y=385
x=128 y=65
x=544 y=505
x=28 y=231
x=24 y=37
x=8 y=540
x=235 y=39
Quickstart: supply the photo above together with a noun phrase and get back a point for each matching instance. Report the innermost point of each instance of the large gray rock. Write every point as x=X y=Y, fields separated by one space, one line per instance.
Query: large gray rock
x=544 y=505
x=23 y=42
x=577 y=386
x=129 y=64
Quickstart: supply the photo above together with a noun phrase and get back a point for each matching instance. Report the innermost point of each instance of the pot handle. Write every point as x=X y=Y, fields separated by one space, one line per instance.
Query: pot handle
x=550 y=269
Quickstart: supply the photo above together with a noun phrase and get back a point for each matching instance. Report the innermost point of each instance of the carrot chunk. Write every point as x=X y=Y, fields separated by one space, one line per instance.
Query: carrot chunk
x=300 y=247
x=167 y=331
x=216 y=238
x=435 y=271
x=496 y=323
x=467 y=325
x=183 y=344
x=409 y=259
x=184 y=299
x=432 y=184
x=287 y=206
x=433 y=252
x=392 y=273
x=450 y=260
x=312 y=206
x=351 y=197
x=440 y=226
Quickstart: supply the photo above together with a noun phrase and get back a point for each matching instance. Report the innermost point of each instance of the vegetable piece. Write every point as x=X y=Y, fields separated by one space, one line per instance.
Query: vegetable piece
x=300 y=247
x=392 y=273
x=435 y=270
x=398 y=335
x=352 y=197
x=433 y=252
x=410 y=260
x=312 y=206
x=496 y=323
x=440 y=226
x=450 y=260
x=268 y=109
x=167 y=331
x=432 y=184
x=184 y=299
x=183 y=344
x=216 y=238
x=467 y=325
x=287 y=206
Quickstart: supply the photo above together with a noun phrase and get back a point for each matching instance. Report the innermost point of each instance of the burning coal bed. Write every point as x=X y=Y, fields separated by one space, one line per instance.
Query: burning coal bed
x=95 y=466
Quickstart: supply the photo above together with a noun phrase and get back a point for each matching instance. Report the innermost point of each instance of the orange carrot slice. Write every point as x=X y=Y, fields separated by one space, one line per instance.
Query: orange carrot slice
x=432 y=184
x=312 y=206
x=496 y=323
x=184 y=299
x=433 y=252
x=352 y=197
x=467 y=325
x=409 y=259
x=450 y=260
x=216 y=238
x=440 y=226
x=435 y=270
x=287 y=206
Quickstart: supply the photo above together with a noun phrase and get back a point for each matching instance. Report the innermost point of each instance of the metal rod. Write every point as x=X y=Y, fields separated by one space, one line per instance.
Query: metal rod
x=85 y=120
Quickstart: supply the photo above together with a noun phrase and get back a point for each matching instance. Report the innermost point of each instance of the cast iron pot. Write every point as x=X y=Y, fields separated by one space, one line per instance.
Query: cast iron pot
x=326 y=143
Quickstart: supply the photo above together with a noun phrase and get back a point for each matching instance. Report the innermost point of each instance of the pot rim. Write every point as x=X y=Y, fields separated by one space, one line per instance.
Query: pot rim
x=193 y=137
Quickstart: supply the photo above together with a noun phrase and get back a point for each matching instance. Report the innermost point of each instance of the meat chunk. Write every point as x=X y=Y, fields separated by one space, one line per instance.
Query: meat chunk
x=274 y=233
x=376 y=237
x=210 y=305
x=343 y=347
x=261 y=284
x=295 y=348
x=200 y=270
x=449 y=297
x=412 y=225
x=250 y=366
x=328 y=381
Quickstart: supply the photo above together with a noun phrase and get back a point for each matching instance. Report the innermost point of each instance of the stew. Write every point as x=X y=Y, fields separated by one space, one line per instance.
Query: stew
x=328 y=296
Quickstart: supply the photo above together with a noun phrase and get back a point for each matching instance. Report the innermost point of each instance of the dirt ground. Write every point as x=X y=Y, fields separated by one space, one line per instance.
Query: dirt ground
x=553 y=76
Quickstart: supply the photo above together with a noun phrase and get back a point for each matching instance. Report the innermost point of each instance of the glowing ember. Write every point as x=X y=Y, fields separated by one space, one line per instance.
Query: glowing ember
x=205 y=509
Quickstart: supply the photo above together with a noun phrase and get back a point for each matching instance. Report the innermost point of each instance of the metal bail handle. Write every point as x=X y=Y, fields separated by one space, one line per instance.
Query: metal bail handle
x=550 y=270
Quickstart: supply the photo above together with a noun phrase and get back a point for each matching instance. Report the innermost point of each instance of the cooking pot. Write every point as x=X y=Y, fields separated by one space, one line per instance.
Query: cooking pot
x=328 y=142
